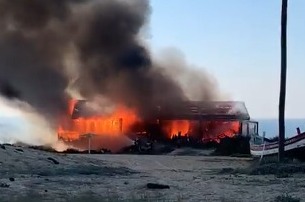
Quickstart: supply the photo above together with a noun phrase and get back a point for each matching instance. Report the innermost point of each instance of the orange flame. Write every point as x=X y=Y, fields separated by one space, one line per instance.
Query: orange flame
x=172 y=128
x=211 y=130
x=217 y=130
x=114 y=124
x=122 y=119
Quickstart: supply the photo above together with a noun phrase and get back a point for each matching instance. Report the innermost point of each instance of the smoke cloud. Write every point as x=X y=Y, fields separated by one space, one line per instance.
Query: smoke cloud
x=26 y=126
x=51 y=48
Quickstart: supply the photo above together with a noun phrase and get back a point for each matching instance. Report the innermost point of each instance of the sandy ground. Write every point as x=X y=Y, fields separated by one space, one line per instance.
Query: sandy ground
x=124 y=177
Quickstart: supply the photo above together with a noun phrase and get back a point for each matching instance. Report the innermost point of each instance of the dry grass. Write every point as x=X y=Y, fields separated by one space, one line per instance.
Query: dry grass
x=286 y=198
x=269 y=167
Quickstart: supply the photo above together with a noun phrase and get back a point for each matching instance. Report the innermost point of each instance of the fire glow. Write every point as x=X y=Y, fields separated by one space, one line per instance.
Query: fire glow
x=122 y=119
x=114 y=124
x=210 y=130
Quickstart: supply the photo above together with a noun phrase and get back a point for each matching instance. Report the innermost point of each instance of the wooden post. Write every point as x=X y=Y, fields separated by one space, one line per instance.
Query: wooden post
x=264 y=135
x=282 y=98
x=298 y=131
x=89 y=143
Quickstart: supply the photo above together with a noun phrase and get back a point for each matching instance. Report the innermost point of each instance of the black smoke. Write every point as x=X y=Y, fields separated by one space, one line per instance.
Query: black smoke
x=8 y=91
x=105 y=39
x=32 y=46
x=117 y=64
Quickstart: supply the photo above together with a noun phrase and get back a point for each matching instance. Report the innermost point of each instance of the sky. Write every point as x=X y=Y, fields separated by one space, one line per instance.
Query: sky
x=238 y=41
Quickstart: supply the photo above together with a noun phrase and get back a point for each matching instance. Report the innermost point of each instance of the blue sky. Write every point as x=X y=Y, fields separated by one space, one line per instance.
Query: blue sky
x=239 y=42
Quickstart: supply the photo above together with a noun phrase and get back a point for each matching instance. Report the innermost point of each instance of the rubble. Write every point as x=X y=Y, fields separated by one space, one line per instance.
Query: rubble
x=19 y=150
x=53 y=160
x=4 y=185
x=157 y=186
x=233 y=146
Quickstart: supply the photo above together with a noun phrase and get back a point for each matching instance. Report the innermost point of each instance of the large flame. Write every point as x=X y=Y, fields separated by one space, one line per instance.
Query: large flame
x=208 y=130
x=172 y=128
x=217 y=130
x=122 y=121
x=114 y=124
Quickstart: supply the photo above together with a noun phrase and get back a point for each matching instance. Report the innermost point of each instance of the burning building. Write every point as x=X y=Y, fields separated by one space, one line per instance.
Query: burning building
x=199 y=122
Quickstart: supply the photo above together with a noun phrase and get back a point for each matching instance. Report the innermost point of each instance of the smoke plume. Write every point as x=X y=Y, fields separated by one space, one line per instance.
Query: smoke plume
x=26 y=126
x=49 y=48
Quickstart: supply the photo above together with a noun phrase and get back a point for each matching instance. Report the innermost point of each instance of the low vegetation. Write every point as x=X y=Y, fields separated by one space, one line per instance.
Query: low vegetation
x=269 y=167
x=279 y=169
x=286 y=198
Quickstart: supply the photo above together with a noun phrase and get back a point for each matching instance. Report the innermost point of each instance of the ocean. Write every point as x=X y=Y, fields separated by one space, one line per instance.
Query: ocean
x=270 y=126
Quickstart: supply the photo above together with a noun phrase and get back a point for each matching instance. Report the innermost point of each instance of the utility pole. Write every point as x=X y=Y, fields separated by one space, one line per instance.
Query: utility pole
x=282 y=98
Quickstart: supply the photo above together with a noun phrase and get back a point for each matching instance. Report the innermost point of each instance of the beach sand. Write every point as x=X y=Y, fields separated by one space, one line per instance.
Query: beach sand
x=34 y=175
